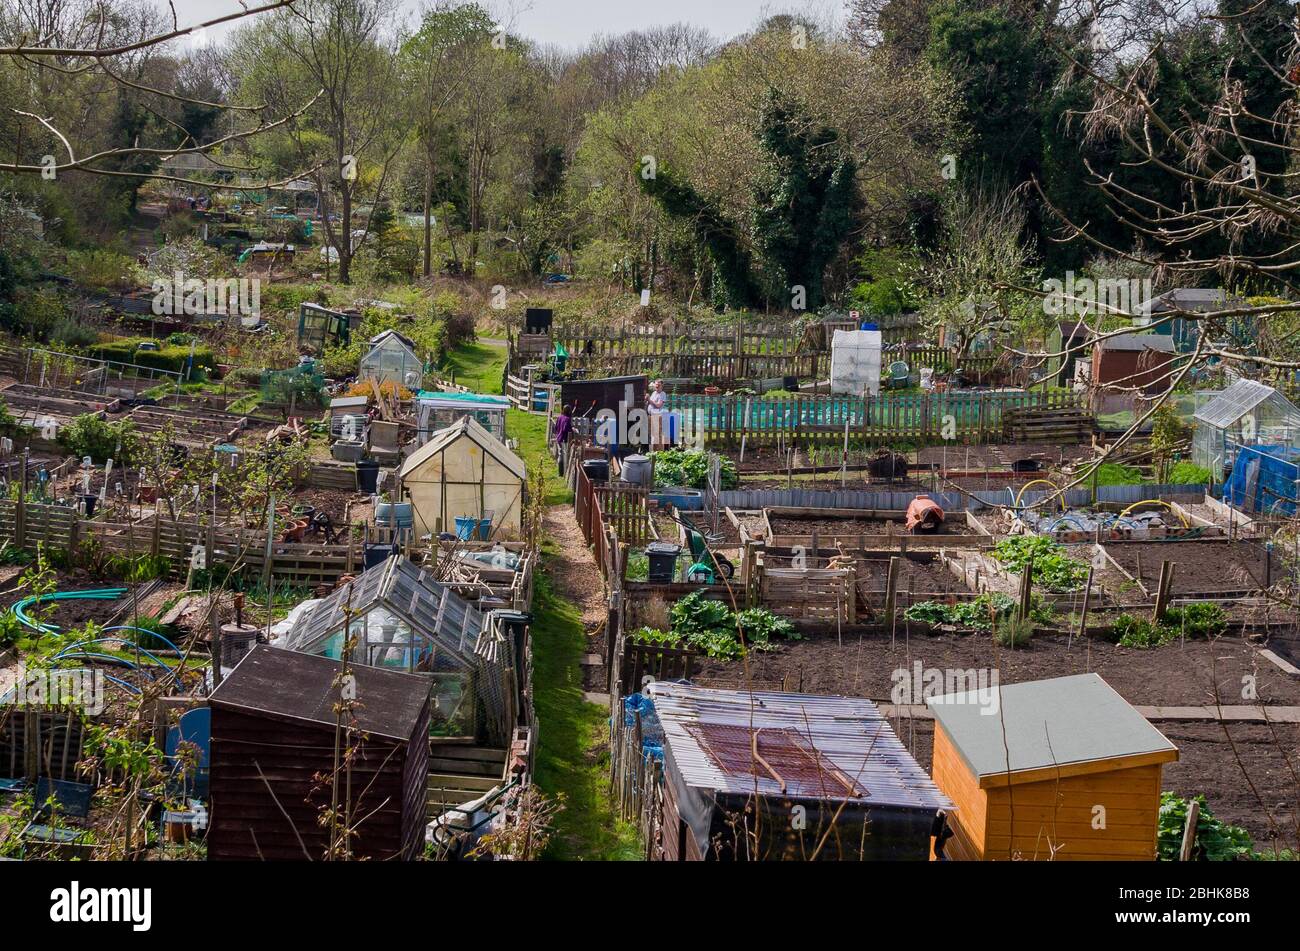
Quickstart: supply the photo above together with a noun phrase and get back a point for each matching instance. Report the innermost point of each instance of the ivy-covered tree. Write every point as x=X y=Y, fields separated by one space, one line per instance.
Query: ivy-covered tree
x=803 y=206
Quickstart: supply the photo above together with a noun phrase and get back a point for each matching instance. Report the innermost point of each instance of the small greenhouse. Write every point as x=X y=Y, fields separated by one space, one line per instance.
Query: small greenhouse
x=401 y=619
x=1247 y=413
x=465 y=479
x=392 y=359
x=439 y=410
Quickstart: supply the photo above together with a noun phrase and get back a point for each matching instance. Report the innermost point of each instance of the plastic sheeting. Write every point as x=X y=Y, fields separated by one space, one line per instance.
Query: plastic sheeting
x=855 y=362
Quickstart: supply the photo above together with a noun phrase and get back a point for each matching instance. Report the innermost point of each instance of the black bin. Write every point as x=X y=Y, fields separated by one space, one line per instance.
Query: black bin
x=373 y=554
x=367 y=475
x=597 y=470
x=663 y=561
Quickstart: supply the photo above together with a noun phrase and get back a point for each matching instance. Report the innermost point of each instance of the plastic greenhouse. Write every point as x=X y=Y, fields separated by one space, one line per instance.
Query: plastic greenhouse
x=402 y=619
x=392 y=359
x=1247 y=413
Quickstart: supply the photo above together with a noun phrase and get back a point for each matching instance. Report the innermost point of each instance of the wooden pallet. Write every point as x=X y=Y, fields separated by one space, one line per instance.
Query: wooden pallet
x=1048 y=425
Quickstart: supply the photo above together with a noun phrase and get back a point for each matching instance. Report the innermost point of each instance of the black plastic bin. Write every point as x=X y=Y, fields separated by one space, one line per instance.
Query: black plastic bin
x=367 y=475
x=663 y=561
x=597 y=470
x=374 y=554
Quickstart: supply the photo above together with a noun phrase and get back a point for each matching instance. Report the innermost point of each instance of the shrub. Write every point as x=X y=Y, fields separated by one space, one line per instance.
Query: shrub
x=36 y=313
x=90 y=435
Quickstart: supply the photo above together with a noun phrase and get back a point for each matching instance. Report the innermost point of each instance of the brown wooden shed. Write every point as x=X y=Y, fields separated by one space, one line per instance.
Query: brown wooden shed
x=1134 y=360
x=1060 y=769
x=273 y=736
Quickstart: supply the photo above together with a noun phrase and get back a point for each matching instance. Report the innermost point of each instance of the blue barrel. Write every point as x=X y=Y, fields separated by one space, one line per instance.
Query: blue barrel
x=395 y=514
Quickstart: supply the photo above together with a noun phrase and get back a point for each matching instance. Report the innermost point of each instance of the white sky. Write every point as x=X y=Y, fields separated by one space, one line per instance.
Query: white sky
x=571 y=23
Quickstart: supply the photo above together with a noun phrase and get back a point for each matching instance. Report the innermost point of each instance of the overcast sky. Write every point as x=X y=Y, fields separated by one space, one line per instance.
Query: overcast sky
x=571 y=23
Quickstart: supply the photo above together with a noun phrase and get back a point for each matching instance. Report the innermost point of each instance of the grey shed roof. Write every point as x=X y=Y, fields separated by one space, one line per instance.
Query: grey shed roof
x=832 y=748
x=289 y=685
x=1042 y=724
x=1195 y=299
x=1147 y=341
x=1241 y=398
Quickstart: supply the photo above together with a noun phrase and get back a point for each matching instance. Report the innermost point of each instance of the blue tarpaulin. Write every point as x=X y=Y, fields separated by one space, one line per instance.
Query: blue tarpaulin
x=1264 y=479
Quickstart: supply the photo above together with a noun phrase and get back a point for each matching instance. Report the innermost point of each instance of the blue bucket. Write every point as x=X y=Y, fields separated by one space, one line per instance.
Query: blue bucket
x=467 y=526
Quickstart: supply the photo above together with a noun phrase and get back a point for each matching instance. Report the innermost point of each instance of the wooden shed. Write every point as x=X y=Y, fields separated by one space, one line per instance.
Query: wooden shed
x=464 y=470
x=765 y=776
x=1060 y=769
x=273 y=737
x=1134 y=360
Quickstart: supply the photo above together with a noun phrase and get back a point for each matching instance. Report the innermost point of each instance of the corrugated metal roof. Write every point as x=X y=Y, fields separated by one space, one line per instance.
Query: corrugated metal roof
x=1045 y=723
x=822 y=747
x=1241 y=398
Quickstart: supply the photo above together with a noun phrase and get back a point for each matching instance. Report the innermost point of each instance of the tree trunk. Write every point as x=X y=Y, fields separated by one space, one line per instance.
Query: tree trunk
x=428 y=222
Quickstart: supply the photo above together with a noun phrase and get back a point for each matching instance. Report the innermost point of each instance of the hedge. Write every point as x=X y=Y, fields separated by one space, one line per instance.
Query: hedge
x=170 y=357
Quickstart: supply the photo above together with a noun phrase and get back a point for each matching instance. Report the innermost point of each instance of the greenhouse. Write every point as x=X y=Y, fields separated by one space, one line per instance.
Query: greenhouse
x=1247 y=413
x=392 y=359
x=401 y=618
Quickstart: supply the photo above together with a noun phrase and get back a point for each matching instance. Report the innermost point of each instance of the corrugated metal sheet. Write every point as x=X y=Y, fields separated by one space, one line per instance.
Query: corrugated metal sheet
x=847 y=736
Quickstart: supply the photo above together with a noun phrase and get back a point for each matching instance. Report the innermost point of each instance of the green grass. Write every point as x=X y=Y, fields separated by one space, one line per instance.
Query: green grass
x=572 y=753
x=477 y=366
x=530 y=430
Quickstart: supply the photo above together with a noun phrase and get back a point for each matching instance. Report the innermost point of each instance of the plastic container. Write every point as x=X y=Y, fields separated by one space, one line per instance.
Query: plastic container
x=394 y=515
x=367 y=475
x=687 y=500
x=597 y=470
x=636 y=469
x=663 y=561
x=470 y=526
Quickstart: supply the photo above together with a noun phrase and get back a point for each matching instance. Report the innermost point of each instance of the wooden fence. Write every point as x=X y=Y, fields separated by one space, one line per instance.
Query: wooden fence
x=815 y=594
x=61 y=528
x=968 y=416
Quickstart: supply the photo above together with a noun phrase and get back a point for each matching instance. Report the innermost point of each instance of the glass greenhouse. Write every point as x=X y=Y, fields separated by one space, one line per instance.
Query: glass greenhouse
x=392 y=359
x=1247 y=413
x=401 y=619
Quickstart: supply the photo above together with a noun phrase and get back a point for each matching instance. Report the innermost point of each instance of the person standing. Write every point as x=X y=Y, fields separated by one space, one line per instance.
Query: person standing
x=656 y=403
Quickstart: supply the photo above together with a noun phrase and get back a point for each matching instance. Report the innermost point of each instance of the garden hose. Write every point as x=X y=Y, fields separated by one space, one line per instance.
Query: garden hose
x=92 y=594
x=1181 y=517
x=1023 y=488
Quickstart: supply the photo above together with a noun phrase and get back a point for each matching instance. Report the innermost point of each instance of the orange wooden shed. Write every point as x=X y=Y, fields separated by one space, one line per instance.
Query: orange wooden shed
x=1060 y=769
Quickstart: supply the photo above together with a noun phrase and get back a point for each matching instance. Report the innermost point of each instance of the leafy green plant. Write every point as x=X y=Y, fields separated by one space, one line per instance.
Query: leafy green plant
x=1200 y=620
x=1053 y=569
x=709 y=626
x=101 y=439
x=1216 y=841
x=689 y=468
x=1187 y=473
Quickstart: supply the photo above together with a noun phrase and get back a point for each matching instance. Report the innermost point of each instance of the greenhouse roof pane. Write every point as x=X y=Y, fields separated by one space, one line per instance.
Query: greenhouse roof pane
x=1241 y=398
x=405 y=590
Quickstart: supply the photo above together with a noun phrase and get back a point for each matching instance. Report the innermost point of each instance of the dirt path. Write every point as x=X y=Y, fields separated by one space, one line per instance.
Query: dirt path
x=574 y=570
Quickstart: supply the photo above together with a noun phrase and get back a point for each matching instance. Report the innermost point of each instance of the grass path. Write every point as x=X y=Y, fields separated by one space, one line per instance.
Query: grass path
x=573 y=735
